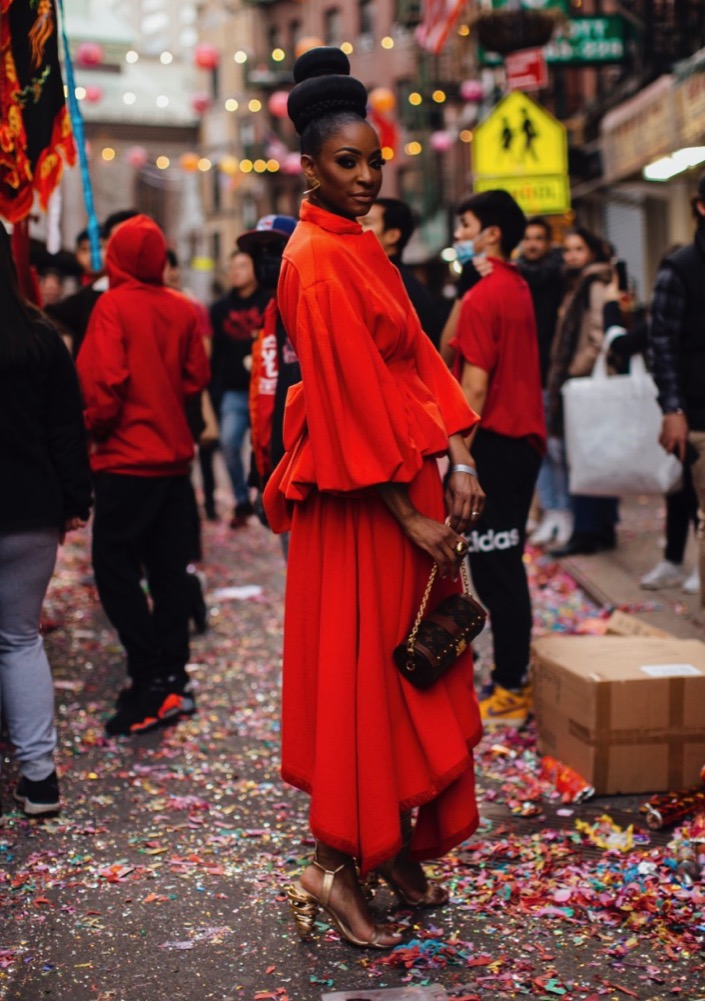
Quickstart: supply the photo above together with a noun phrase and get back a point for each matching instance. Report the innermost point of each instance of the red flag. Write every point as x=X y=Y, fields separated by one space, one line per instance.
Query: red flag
x=35 y=132
x=439 y=16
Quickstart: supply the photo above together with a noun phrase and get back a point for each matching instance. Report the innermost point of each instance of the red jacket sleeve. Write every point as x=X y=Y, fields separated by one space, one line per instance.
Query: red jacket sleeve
x=196 y=373
x=102 y=368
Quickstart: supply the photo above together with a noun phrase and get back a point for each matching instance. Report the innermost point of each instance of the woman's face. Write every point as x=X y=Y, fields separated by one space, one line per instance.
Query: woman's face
x=576 y=253
x=348 y=168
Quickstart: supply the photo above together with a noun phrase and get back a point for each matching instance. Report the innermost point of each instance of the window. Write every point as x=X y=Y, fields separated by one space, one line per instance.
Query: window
x=367 y=25
x=332 y=29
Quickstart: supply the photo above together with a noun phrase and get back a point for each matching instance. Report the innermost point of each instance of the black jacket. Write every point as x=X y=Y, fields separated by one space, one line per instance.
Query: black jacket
x=43 y=452
x=547 y=287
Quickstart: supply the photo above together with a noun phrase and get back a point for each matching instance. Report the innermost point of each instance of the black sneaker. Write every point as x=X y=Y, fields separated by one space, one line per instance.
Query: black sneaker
x=150 y=708
x=38 y=798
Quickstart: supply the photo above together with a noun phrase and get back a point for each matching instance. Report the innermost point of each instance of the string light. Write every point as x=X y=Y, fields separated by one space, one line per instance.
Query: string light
x=413 y=148
x=108 y=154
x=129 y=97
x=80 y=93
x=278 y=55
x=255 y=105
x=231 y=104
x=162 y=101
x=131 y=56
x=166 y=58
x=163 y=162
x=204 y=164
x=347 y=48
x=273 y=165
x=415 y=98
x=387 y=42
x=387 y=153
x=245 y=166
x=439 y=96
x=464 y=30
x=465 y=136
x=240 y=56
x=259 y=166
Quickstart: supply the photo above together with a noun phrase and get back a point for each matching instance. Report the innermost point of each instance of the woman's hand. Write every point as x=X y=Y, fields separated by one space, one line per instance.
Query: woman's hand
x=442 y=543
x=465 y=500
x=70 y=525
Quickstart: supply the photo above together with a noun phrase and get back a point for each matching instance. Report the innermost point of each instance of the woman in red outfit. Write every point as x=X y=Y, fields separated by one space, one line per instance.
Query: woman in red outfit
x=359 y=488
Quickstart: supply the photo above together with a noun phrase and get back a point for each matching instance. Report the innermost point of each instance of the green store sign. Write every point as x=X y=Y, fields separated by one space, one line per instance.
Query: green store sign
x=581 y=41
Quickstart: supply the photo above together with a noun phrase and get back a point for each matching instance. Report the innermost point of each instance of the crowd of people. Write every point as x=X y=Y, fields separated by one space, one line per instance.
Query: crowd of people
x=388 y=435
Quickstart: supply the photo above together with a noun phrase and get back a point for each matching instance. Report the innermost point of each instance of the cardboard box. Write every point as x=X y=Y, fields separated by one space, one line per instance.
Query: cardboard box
x=627 y=713
x=622 y=624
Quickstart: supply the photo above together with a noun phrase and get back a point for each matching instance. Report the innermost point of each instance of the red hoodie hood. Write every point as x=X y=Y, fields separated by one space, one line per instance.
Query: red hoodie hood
x=136 y=252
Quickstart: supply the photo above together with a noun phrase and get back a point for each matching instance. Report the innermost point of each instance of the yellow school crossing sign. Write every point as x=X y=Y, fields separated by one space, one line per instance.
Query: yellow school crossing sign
x=523 y=149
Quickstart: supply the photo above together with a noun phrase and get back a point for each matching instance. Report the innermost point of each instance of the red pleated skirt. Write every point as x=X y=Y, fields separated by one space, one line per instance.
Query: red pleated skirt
x=363 y=742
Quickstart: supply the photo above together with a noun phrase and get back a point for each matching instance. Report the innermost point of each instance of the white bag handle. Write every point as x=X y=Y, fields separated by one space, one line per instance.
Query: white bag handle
x=637 y=365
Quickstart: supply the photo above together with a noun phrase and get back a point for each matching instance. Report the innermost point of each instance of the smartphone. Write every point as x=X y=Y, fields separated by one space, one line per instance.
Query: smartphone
x=620 y=268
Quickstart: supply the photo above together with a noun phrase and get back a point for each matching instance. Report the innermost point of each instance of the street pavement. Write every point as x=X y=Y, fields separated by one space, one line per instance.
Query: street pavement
x=163 y=877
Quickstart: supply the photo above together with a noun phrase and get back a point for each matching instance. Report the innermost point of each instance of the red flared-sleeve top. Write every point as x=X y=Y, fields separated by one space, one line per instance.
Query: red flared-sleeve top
x=375 y=397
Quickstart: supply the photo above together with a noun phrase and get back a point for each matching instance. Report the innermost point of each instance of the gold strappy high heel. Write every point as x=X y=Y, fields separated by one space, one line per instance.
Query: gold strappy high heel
x=304 y=906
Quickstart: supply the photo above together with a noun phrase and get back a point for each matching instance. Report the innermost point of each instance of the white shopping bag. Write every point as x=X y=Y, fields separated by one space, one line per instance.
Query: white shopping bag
x=612 y=425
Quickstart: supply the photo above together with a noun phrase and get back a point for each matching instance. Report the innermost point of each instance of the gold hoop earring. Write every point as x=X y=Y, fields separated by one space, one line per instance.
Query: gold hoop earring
x=315 y=184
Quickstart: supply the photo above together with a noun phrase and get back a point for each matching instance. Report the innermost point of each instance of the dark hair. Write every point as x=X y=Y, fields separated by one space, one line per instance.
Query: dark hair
x=83 y=235
x=115 y=219
x=498 y=208
x=20 y=342
x=595 y=244
x=398 y=215
x=171 y=258
x=325 y=97
x=538 y=220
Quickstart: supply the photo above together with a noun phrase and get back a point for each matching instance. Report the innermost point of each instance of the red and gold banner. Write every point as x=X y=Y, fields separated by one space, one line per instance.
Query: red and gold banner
x=35 y=131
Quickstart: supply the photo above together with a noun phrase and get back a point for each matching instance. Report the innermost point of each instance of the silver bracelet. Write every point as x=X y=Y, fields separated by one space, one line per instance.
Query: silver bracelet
x=460 y=468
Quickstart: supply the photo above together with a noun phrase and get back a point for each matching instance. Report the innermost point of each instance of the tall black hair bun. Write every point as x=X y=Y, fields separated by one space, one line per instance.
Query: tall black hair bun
x=323 y=60
x=324 y=84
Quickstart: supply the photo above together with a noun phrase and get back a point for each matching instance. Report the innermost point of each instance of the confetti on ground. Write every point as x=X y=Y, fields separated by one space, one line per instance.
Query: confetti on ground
x=164 y=875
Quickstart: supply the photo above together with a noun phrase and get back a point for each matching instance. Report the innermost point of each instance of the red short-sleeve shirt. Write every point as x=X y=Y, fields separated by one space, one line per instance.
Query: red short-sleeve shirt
x=497 y=333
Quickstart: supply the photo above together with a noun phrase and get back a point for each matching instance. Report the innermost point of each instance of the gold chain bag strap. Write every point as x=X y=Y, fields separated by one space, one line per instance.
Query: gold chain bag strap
x=436 y=640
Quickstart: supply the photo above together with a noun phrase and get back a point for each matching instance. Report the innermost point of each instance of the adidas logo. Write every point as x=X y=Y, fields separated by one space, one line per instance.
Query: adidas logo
x=491 y=541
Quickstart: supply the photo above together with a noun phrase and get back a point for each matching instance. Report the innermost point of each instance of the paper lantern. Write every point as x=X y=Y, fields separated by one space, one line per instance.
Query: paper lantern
x=291 y=164
x=471 y=90
x=206 y=56
x=89 y=54
x=382 y=100
x=228 y=165
x=136 y=156
x=94 y=93
x=201 y=103
x=441 y=141
x=277 y=103
x=304 y=44
x=189 y=162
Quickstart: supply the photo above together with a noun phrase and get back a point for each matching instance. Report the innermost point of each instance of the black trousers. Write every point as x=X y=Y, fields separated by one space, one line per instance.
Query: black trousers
x=681 y=513
x=507 y=469
x=141 y=526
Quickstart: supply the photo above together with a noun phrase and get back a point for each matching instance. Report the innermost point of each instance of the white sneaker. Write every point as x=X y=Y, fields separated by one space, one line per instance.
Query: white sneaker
x=564 y=526
x=664 y=574
x=691 y=584
x=546 y=530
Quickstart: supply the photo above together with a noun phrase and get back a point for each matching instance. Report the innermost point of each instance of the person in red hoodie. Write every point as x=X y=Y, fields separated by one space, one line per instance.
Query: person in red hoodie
x=142 y=358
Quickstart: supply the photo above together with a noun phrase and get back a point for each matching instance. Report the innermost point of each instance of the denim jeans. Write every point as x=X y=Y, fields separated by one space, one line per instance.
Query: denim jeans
x=234 y=425
x=552 y=482
x=26 y=689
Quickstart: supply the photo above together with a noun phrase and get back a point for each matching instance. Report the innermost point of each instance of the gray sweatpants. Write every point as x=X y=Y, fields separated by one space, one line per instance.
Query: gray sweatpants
x=26 y=689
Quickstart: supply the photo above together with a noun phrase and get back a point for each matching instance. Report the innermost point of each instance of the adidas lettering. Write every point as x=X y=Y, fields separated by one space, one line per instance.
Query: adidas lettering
x=489 y=542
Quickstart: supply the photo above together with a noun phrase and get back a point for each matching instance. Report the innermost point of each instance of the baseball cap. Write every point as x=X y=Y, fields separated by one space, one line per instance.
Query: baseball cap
x=269 y=229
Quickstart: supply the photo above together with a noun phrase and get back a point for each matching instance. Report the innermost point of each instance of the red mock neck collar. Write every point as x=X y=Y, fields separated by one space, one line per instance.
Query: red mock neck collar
x=328 y=220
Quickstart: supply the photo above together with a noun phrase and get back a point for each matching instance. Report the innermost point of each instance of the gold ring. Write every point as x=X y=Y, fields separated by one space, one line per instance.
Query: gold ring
x=461 y=547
